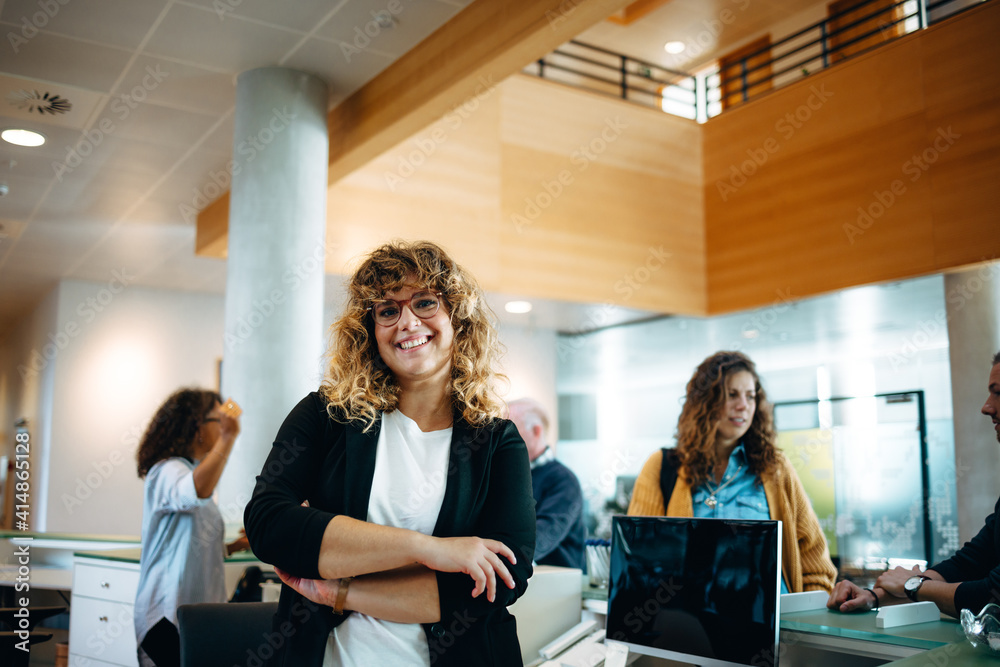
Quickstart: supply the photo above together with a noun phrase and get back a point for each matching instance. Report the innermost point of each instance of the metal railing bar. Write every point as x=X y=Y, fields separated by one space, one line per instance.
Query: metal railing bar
x=635 y=60
x=829 y=50
x=826 y=21
x=611 y=82
x=608 y=82
x=616 y=68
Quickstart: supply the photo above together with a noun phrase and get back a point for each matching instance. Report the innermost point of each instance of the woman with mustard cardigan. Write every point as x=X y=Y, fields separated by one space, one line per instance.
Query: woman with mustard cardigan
x=726 y=466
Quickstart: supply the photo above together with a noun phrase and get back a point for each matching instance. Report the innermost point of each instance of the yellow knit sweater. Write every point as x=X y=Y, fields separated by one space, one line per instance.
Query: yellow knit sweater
x=806 y=563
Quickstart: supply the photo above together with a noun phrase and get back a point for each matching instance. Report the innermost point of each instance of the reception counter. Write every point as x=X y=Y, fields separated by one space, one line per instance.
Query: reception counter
x=824 y=638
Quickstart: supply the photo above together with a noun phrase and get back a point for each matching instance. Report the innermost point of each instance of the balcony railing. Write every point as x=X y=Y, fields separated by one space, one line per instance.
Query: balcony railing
x=857 y=29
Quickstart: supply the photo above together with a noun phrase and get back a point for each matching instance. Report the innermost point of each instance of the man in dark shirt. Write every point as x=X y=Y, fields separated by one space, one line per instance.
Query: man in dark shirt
x=558 y=496
x=968 y=580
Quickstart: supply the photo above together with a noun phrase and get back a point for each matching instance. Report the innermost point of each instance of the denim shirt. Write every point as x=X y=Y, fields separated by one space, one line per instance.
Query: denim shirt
x=742 y=498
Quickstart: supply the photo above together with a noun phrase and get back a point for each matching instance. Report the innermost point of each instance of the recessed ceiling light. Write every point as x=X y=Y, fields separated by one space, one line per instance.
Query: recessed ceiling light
x=674 y=47
x=22 y=137
x=517 y=307
x=750 y=333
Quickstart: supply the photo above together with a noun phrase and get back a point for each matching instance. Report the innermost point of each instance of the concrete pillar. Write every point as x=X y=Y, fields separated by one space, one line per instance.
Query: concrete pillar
x=275 y=268
x=973 y=303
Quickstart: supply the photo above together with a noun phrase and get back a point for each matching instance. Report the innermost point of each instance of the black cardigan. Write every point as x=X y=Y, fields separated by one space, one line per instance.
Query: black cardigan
x=331 y=464
x=977 y=565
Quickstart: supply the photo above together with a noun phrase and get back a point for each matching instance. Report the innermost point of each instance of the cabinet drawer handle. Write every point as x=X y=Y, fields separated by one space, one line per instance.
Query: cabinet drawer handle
x=102 y=619
x=105 y=584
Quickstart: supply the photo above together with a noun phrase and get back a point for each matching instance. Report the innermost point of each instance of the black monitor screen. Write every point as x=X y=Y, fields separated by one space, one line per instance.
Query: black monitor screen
x=701 y=588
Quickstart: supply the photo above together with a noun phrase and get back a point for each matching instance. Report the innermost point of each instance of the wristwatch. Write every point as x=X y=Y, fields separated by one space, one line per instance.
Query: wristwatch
x=912 y=585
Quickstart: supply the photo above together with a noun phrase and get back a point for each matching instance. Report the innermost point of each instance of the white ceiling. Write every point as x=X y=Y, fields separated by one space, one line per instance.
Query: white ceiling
x=152 y=88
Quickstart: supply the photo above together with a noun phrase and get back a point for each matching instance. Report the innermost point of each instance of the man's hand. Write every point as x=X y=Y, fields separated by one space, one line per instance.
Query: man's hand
x=848 y=597
x=892 y=580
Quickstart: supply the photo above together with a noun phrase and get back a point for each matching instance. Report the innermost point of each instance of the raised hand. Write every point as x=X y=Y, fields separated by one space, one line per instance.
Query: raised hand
x=477 y=557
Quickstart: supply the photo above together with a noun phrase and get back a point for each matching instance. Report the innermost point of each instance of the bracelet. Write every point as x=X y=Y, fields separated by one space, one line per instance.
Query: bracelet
x=874 y=595
x=338 y=606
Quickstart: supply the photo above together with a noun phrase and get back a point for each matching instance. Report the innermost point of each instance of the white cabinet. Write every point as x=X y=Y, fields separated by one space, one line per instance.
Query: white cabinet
x=101 y=629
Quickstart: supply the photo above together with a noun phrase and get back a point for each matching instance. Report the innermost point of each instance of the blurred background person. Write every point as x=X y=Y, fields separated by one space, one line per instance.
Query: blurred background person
x=420 y=526
x=726 y=466
x=181 y=456
x=560 y=532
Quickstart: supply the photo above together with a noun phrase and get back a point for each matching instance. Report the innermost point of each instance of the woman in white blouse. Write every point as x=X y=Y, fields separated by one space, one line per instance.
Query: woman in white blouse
x=181 y=456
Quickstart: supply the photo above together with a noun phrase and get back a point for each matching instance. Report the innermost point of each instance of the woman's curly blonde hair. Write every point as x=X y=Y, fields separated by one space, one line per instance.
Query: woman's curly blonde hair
x=358 y=384
x=699 y=420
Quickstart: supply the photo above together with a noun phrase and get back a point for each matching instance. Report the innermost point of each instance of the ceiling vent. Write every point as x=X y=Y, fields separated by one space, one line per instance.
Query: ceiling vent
x=43 y=103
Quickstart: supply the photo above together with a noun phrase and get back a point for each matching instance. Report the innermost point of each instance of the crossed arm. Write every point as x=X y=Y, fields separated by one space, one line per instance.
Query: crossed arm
x=395 y=569
x=400 y=575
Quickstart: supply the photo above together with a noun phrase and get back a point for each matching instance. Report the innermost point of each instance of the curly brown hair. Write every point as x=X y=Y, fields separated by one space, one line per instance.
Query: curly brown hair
x=699 y=420
x=174 y=426
x=360 y=386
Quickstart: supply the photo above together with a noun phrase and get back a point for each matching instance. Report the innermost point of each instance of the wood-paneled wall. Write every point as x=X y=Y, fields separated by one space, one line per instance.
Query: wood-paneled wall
x=545 y=191
x=881 y=168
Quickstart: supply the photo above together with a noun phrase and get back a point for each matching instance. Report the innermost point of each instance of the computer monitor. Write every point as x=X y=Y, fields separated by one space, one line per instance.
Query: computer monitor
x=701 y=591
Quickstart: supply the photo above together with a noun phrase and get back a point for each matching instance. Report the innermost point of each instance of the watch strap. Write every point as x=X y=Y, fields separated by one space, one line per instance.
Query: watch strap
x=912 y=594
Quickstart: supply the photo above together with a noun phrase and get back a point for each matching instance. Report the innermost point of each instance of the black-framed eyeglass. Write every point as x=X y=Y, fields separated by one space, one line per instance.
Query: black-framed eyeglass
x=211 y=419
x=424 y=304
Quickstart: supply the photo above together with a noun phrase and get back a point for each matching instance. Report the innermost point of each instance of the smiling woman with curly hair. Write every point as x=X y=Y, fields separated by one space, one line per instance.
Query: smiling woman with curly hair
x=394 y=497
x=726 y=465
x=361 y=385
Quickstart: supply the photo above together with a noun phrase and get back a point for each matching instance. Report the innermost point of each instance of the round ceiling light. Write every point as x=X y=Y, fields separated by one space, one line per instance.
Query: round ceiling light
x=674 y=47
x=22 y=137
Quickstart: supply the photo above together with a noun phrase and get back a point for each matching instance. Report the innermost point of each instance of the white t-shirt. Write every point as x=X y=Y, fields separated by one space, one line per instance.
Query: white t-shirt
x=407 y=492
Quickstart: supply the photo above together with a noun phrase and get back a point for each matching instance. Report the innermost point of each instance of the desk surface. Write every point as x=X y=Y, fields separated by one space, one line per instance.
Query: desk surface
x=133 y=555
x=923 y=636
x=959 y=653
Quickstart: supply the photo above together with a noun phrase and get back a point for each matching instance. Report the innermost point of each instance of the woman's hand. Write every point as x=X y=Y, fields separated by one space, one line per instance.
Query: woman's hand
x=320 y=591
x=229 y=428
x=241 y=543
x=477 y=557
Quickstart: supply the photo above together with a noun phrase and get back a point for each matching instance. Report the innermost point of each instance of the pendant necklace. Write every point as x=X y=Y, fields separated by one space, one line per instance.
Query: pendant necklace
x=711 y=501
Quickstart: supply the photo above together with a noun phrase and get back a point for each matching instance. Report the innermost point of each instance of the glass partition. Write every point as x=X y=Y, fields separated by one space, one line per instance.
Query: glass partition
x=862 y=462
